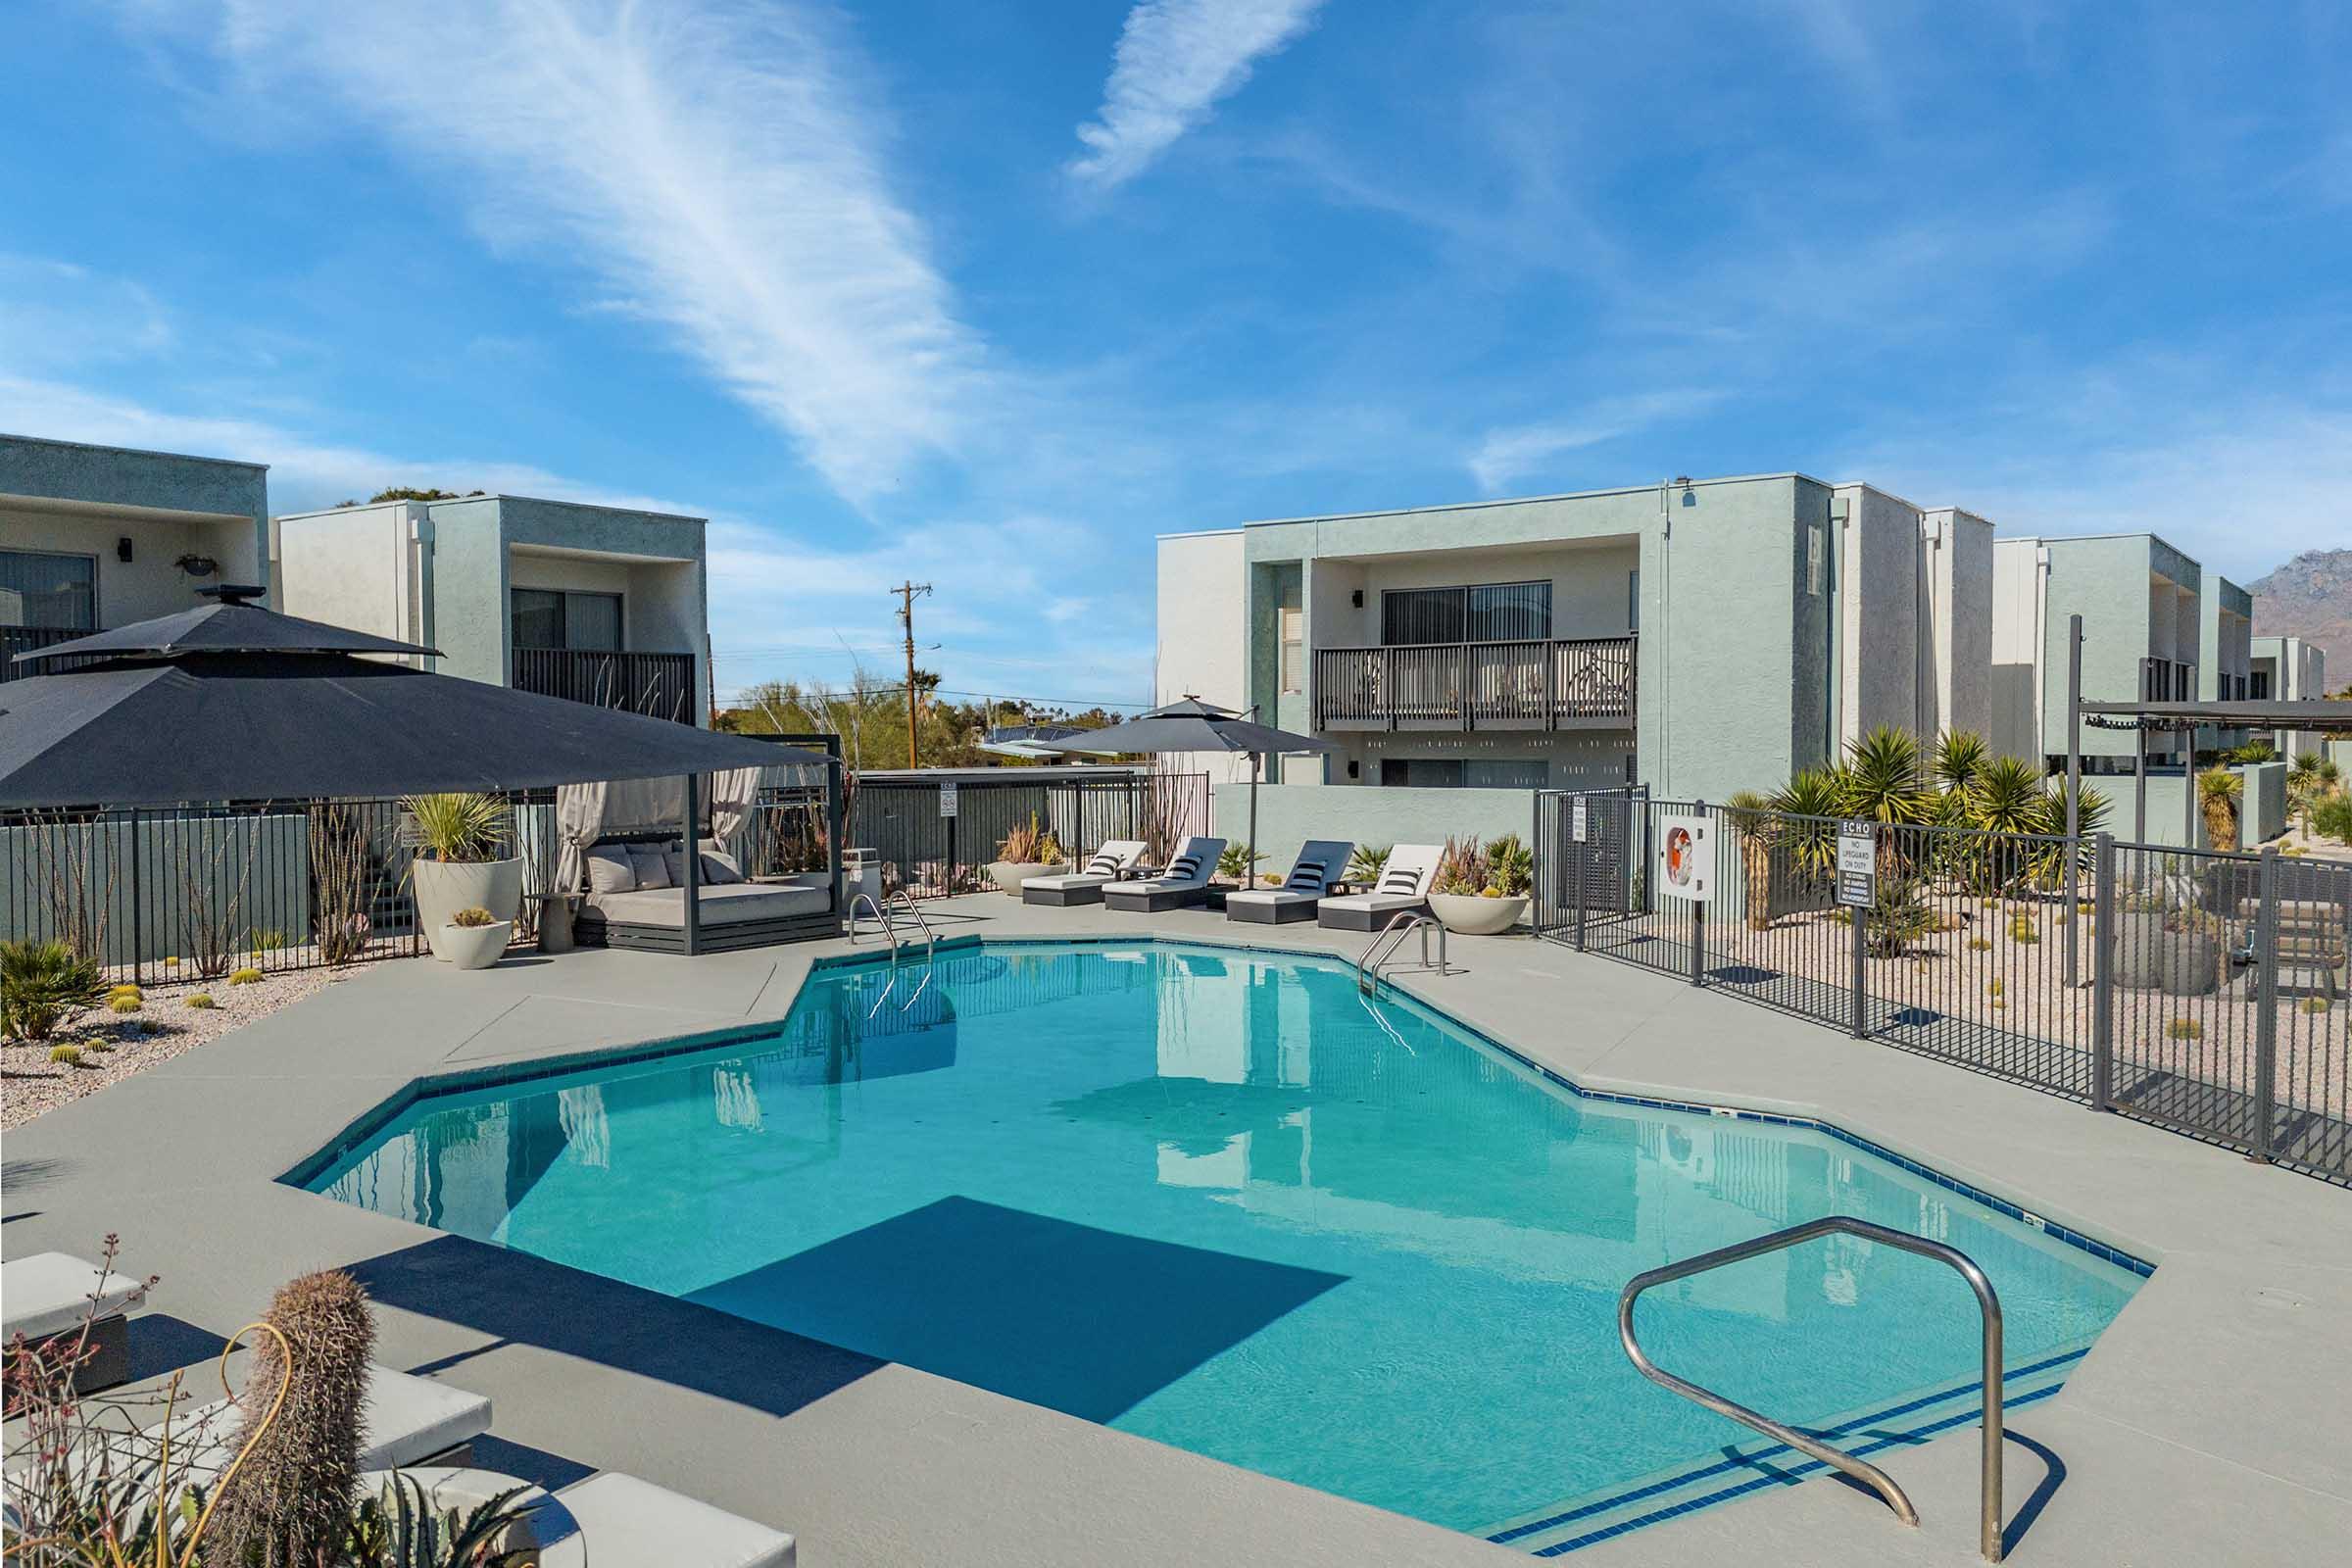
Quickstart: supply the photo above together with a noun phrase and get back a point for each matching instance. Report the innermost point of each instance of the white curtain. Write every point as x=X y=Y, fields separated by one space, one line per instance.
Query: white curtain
x=730 y=796
x=581 y=820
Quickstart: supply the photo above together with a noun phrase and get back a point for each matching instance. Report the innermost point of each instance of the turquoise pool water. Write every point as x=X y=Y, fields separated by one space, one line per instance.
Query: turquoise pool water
x=1212 y=1197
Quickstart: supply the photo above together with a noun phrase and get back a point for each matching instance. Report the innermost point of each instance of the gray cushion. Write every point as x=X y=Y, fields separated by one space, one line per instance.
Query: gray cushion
x=653 y=866
x=611 y=869
x=720 y=867
x=623 y=1522
x=48 y=1293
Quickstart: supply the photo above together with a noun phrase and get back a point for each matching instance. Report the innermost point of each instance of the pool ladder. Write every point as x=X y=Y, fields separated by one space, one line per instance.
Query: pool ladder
x=1383 y=948
x=890 y=933
x=1988 y=1306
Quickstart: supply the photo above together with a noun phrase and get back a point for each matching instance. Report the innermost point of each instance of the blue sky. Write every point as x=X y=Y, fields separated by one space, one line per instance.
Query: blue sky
x=989 y=295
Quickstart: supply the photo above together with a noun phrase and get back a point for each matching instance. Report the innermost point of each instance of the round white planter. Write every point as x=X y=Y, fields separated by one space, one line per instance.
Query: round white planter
x=477 y=946
x=444 y=887
x=1468 y=914
x=1008 y=875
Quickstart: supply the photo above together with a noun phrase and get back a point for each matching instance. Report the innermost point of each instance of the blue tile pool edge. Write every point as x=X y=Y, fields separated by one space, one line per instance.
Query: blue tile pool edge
x=433 y=1086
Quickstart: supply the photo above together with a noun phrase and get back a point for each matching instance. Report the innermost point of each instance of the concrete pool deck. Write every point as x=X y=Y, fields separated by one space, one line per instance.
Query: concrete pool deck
x=2210 y=1423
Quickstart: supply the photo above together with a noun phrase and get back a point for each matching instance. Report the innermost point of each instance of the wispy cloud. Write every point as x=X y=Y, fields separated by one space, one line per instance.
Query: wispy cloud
x=1175 y=60
x=1506 y=455
x=719 y=172
x=57 y=313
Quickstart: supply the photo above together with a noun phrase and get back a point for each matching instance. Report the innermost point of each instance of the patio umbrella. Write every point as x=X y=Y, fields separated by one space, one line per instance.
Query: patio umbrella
x=230 y=700
x=1193 y=725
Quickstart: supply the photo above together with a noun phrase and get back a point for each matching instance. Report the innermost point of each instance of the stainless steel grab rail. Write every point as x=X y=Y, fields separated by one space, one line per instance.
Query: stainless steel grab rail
x=1988 y=1306
x=890 y=932
x=1391 y=936
x=930 y=937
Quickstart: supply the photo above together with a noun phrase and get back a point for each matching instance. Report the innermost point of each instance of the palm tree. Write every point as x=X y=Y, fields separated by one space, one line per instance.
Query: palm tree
x=1750 y=817
x=2218 y=792
x=1881 y=777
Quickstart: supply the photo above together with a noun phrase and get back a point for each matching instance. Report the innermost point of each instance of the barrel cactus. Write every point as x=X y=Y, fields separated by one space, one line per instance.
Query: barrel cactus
x=290 y=1502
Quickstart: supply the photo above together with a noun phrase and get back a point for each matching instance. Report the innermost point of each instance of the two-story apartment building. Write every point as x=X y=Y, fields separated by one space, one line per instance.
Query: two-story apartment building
x=2289 y=669
x=2143 y=637
x=93 y=537
x=597 y=604
x=1701 y=635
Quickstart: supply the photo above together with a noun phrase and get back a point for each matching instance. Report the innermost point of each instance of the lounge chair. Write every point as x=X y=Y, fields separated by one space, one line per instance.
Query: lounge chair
x=610 y=1520
x=46 y=1297
x=1183 y=884
x=1085 y=887
x=1402 y=887
x=1319 y=864
x=403 y=1420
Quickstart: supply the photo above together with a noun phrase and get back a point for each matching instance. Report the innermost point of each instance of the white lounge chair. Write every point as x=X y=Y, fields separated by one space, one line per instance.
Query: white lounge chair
x=1184 y=883
x=403 y=1420
x=1319 y=864
x=1402 y=887
x=610 y=1520
x=47 y=1295
x=1085 y=887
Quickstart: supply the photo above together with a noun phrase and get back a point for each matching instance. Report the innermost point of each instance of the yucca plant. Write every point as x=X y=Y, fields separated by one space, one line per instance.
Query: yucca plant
x=1881 y=778
x=43 y=985
x=455 y=825
x=1237 y=862
x=1367 y=862
x=2218 y=794
x=1813 y=797
x=1959 y=753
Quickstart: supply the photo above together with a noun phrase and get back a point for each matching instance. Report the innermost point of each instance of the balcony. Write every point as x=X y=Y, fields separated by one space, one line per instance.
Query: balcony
x=14 y=640
x=657 y=685
x=2166 y=680
x=1583 y=683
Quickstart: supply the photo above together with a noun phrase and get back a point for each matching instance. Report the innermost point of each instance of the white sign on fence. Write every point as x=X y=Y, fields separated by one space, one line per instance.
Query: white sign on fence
x=946 y=800
x=1857 y=864
x=1686 y=859
x=1578 y=824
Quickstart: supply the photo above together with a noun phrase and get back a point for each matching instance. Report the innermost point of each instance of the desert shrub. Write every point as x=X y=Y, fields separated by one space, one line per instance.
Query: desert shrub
x=1979 y=945
x=1030 y=844
x=43 y=985
x=245 y=977
x=125 y=1003
x=472 y=919
x=1994 y=988
x=201 y=1000
x=2184 y=1029
x=2022 y=929
x=2333 y=817
x=1510 y=866
x=1367 y=862
x=2315 y=1003
x=66 y=1055
x=1235 y=862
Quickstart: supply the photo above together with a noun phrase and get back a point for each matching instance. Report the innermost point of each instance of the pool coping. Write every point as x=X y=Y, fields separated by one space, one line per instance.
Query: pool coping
x=2205 y=1423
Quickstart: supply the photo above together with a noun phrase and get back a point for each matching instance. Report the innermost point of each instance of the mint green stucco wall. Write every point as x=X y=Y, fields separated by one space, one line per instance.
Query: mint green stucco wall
x=120 y=477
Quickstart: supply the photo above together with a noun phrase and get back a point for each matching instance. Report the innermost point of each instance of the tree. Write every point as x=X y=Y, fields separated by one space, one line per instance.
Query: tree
x=401 y=492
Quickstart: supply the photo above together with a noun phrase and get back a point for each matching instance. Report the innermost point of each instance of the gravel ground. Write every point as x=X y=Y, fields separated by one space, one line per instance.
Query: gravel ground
x=31 y=1083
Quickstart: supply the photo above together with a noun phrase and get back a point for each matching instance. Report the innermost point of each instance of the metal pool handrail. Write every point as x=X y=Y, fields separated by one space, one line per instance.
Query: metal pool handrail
x=1988 y=1306
x=1382 y=948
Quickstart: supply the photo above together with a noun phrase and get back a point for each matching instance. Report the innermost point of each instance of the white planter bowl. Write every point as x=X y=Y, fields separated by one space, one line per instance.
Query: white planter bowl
x=444 y=887
x=1008 y=875
x=1468 y=914
x=477 y=946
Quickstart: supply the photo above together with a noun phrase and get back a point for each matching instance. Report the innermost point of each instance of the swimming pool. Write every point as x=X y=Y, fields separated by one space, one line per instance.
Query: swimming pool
x=1211 y=1197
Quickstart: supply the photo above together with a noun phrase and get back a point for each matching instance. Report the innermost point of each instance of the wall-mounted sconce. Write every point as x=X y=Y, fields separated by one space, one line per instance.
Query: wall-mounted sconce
x=123 y=550
x=1356 y=598
x=1353 y=767
x=1690 y=496
x=197 y=566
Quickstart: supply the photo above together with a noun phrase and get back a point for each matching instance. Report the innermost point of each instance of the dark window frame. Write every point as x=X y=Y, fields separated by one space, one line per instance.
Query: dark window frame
x=564 y=597
x=90 y=621
x=1463 y=614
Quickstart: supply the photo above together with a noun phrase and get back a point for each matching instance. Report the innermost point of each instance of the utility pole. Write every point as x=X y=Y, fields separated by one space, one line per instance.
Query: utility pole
x=908 y=593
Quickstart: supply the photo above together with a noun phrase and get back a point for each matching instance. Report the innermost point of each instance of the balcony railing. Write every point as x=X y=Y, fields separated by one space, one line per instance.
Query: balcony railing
x=14 y=640
x=659 y=685
x=1515 y=685
x=2166 y=680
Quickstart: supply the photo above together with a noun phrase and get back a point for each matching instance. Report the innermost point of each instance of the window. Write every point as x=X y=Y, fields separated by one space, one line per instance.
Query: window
x=1474 y=773
x=1492 y=613
x=547 y=617
x=2259 y=684
x=41 y=589
x=1293 y=649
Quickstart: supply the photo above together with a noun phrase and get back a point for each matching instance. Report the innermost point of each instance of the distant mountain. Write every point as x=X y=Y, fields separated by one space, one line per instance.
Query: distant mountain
x=2310 y=598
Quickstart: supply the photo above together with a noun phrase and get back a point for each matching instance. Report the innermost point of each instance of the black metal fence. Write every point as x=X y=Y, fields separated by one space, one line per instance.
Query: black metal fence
x=933 y=848
x=2204 y=991
x=198 y=893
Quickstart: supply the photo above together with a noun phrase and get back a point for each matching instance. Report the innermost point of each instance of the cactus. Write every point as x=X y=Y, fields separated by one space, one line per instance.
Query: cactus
x=290 y=1504
x=201 y=999
x=67 y=1056
x=125 y=1003
x=245 y=977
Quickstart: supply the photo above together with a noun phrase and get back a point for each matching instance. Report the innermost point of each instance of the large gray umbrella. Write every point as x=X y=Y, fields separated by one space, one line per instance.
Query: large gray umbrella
x=234 y=702
x=1193 y=725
